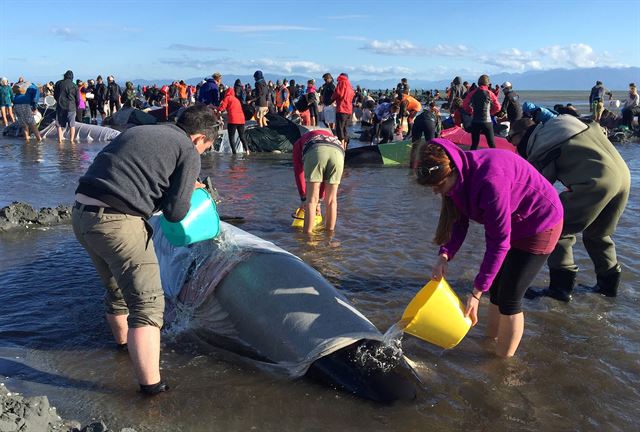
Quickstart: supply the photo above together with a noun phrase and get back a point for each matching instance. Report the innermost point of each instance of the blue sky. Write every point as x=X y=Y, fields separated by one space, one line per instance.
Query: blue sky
x=368 y=39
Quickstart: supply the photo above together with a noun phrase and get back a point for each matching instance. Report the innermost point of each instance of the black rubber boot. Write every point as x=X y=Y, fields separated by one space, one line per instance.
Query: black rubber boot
x=609 y=281
x=154 y=389
x=561 y=285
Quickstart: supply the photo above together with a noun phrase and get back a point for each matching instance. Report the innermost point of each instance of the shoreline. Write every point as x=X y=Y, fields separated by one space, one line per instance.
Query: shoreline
x=35 y=414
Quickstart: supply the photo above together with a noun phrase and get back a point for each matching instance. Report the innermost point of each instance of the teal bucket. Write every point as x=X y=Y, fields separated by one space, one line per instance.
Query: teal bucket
x=201 y=222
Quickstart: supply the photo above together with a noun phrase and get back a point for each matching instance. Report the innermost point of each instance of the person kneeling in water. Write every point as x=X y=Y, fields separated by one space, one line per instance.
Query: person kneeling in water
x=318 y=159
x=522 y=218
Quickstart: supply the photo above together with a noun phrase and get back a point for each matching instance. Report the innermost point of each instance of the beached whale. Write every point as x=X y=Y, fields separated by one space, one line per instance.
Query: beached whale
x=249 y=297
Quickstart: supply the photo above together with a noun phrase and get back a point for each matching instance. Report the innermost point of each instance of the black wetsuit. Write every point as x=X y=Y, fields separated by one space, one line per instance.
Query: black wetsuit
x=481 y=123
x=93 y=111
x=424 y=124
x=100 y=96
x=113 y=96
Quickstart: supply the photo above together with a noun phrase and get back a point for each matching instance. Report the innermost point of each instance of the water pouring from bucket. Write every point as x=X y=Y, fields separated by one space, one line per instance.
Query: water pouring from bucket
x=436 y=315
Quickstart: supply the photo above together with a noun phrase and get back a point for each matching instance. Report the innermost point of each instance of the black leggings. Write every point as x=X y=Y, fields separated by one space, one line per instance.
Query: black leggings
x=114 y=104
x=313 y=112
x=518 y=270
x=486 y=129
x=93 y=109
x=341 y=126
x=232 y=128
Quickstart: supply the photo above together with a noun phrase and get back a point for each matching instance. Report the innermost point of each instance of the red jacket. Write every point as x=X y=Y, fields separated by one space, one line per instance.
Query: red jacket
x=343 y=95
x=231 y=104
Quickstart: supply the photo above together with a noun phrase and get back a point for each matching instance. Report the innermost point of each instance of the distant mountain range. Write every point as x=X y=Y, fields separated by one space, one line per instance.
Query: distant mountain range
x=552 y=79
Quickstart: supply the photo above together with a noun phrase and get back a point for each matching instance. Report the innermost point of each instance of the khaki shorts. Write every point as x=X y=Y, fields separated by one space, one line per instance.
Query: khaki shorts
x=323 y=164
x=262 y=112
x=121 y=249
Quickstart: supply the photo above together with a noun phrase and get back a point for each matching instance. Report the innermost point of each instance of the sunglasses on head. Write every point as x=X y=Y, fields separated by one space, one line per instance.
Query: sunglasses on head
x=424 y=171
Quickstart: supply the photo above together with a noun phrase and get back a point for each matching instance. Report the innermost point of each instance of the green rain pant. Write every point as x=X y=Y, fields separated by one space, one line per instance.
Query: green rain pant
x=596 y=236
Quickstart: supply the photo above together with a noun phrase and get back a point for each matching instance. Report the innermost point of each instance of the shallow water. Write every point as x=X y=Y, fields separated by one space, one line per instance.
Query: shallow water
x=578 y=367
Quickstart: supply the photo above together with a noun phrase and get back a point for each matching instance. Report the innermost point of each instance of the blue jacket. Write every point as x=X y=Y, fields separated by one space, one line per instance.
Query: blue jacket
x=209 y=93
x=31 y=96
x=537 y=113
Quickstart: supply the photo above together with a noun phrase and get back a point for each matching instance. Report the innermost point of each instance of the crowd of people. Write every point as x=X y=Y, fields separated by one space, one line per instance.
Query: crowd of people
x=526 y=222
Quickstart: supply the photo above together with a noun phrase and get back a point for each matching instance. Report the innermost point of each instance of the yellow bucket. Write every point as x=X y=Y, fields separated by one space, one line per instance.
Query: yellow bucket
x=298 y=220
x=436 y=315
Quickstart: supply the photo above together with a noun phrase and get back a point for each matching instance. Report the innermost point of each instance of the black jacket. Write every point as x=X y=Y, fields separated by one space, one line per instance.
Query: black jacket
x=262 y=93
x=326 y=92
x=100 y=94
x=65 y=93
x=511 y=106
x=113 y=92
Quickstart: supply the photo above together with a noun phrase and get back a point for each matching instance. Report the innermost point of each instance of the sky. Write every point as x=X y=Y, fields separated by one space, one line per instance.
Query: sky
x=367 y=39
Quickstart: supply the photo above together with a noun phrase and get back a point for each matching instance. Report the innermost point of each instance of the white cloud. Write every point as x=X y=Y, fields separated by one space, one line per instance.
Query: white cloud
x=393 y=48
x=185 y=47
x=551 y=57
x=408 y=48
x=262 y=28
x=379 y=71
x=577 y=55
x=66 y=34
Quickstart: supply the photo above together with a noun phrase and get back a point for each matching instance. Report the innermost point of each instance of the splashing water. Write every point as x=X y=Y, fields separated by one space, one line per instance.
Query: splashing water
x=385 y=355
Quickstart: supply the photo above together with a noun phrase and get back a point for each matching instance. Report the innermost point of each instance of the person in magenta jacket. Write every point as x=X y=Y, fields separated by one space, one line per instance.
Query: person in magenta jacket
x=235 y=119
x=522 y=218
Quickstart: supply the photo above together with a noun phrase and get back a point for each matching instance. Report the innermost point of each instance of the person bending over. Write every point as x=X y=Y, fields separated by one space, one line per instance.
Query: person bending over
x=145 y=169
x=522 y=218
x=597 y=182
x=320 y=156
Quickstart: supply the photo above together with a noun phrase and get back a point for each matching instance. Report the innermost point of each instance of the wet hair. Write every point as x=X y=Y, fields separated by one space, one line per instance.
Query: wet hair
x=433 y=167
x=483 y=80
x=199 y=119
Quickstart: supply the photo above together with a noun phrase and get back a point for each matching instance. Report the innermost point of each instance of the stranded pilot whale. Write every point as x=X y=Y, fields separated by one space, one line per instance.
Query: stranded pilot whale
x=248 y=296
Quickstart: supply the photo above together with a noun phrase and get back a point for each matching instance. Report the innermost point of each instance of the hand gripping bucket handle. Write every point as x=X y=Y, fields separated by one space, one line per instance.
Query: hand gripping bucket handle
x=436 y=315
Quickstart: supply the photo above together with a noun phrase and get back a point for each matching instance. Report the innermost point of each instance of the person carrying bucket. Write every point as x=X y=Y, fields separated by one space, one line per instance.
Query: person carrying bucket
x=522 y=217
x=318 y=159
x=145 y=169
